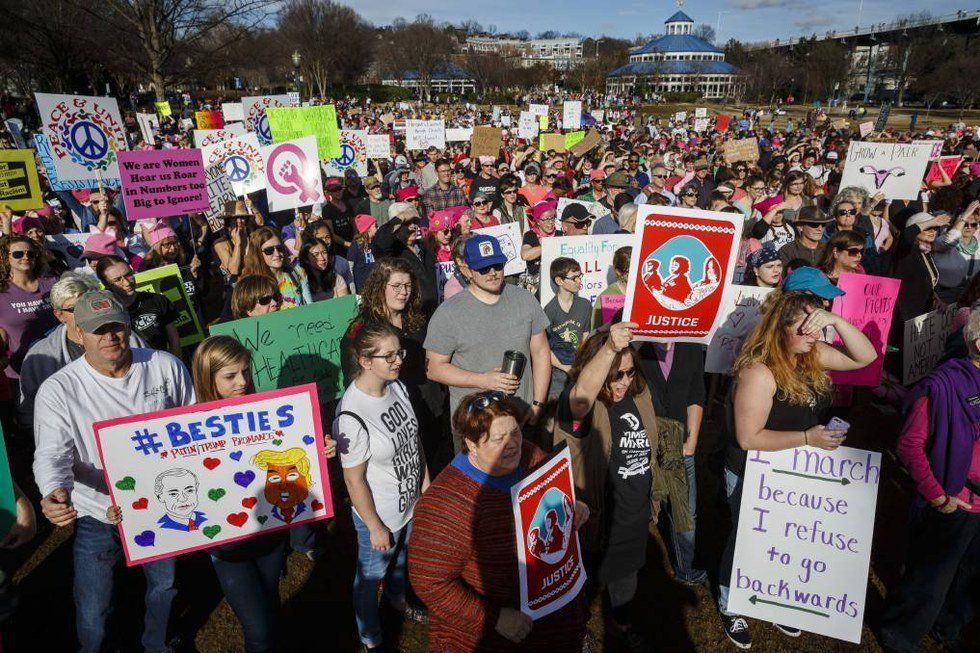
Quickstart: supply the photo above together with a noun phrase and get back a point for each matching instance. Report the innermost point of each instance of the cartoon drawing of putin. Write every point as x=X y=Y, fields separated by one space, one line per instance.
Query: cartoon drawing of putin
x=287 y=481
x=176 y=489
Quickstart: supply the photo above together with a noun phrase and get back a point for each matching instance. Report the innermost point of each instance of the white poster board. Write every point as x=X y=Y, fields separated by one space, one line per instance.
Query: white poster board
x=701 y=112
x=149 y=125
x=509 y=237
x=378 y=146
x=292 y=174
x=232 y=111
x=353 y=154
x=85 y=132
x=456 y=134
x=538 y=109
x=571 y=114
x=220 y=191
x=594 y=254
x=803 y=546
x=70 y=246
x=895 y=169
x=527 y=126
x=925 y=342
x=242 y=160
x=205 y=137
x=740 y=314
x=421 y=134
x=254 y=111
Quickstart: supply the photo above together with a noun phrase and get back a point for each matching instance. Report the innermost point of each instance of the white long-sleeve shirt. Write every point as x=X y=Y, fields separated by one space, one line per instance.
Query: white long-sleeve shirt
x=77 y=396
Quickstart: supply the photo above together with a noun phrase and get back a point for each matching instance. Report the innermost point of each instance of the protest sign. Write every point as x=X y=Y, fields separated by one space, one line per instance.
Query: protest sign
x=486 y=141
x=527 y=126
x=542 y=123
x=85 y=134
x=745 y=149
x=803 y=545
x=573 y=138
x=378 y=146
x=197 y=476
x=494 y=113
x=868 y=305
x=205 y=137
x=599 y=115
x=209 y=119
x=69 y=247
x=293 y=98
x=16 y=128
x=220 y=191
x=589 y=141
x=609 y=305
x=353 y=154
x=551 y=141
x=161 y=183
x=459 y=134
x=255 y=109
x=422 y=134
x=595 y=209
x=571 y=114
x=935 y=147
x=321 y=121
x=894 y=169
x=925 y=343
x=163 y=108
x=43 y=149
x=548 y=554
x=701 y=112
x=149 y=125
x=505 y=121
x=739 y=315
x=594 y=254
x=292 y=174
x=444 y=272
x=20 y=188
x=538 y=109
x=8 y=498
x=242 y=160
x=701 y=125
x=680 y=116
x=722 y=122
x=509 y=237
x=169 y=282
x=232 y=111
x=866 y=128
x=882 y=118
x=683 y=260
x=949 y=164
x=299 y=345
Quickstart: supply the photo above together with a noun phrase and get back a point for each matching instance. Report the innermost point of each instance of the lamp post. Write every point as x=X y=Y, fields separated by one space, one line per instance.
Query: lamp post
x=297 y=58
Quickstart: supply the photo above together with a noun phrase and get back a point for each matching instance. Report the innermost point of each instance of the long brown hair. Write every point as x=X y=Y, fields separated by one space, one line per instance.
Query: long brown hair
x=211 y=355
x=254 y=263
x=800 y=378
x=373 y=294
x=5 y=243
x=840 y=240
x=587 y=351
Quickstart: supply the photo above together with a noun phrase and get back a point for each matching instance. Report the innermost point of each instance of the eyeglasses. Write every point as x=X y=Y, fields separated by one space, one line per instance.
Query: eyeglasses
x=847 y=212
x=549 y=176
x=814 y=225
x=625 y=374
x=508 y=191
x=931 y=229
x=854 y=251
x=444 y=170
x=272 y=249
x=480 y=203
x=401 y=287
x=496 y=267
x=411 y=199
x=21 y=253
x=757 y=188
x=970 y=225
x=392 y=356
x=574 y=277
x=483 y=400
x=265 y=300
x=659 y=176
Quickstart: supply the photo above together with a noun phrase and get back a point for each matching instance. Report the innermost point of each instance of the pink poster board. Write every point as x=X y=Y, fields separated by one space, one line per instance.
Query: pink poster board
x=949 y=164
x=162 y=183
x=868 y=305
x=609 y=304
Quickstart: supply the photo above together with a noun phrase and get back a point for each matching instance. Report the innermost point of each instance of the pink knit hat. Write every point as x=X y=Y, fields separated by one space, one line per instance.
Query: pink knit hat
x=445 y=219
x=363 y=222
x=99 y=245
x=160 y=231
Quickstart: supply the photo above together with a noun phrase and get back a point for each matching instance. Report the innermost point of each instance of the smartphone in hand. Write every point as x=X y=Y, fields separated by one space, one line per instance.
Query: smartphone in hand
x=836 y=423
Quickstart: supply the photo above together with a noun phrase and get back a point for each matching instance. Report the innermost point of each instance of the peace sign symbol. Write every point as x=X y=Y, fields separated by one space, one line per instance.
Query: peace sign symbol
x=347 y=155
x=237 y=168
x=88 y=140
x=262 y=127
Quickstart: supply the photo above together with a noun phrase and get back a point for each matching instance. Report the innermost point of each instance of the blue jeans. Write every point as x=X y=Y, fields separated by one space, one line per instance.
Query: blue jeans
x=733 y=490
x=372 y=568
x=97 y=550
x=252 y=590
x=302 y=538
x=683 y=542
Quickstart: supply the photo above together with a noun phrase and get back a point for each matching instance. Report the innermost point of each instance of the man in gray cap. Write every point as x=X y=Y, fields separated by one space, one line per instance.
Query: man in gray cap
x=109 y=380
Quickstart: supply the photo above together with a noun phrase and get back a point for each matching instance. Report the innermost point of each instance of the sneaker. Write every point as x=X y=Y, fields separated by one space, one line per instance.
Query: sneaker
x=737 y=629
x=789 y=631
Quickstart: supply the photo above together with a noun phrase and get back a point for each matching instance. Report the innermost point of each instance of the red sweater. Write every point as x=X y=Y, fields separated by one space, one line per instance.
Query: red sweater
x=463 y=565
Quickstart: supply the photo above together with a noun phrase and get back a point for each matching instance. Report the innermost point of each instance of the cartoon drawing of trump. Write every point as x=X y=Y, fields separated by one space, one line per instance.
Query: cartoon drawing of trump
x=176 y=489
x=287 y=481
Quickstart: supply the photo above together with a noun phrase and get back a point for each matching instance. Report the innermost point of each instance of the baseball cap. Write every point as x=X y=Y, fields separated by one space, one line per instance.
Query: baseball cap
x=810 y=280
x=618 y=179
x=96 y=308
x=576 y=213
x=918 y=219
x=333 y=183
x=371 y=182
x=481 y=251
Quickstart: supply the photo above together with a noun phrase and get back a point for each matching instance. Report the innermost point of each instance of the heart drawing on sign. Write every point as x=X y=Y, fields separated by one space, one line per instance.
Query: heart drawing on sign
x=681 y=273
x=146 y=538
x=249 y=502
x=244 y=478
x=211 y=463
x=237 y=518
x=141 y=504
x=211 y=531
x=216 y=493
x=126 y=483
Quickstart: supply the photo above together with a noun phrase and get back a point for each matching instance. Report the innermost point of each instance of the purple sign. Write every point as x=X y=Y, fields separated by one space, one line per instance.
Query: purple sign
x=162 y=183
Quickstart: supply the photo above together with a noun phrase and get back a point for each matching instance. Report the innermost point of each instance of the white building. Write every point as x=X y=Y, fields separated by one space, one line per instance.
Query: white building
x=560 y=54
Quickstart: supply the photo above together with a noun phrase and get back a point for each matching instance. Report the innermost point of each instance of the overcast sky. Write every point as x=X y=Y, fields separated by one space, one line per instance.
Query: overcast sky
x=747 y=20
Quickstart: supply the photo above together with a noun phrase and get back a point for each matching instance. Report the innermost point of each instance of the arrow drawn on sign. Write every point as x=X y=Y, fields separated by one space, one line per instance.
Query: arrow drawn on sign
x=842 y=481
x=755 y=599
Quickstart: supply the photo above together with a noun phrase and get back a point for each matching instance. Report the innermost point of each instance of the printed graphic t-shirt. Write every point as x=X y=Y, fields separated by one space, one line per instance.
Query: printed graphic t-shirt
x=26 y=317
x=629 y=474
x=149 y=316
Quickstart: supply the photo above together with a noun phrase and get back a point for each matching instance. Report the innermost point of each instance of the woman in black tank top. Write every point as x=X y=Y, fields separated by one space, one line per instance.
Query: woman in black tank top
x=781 y=389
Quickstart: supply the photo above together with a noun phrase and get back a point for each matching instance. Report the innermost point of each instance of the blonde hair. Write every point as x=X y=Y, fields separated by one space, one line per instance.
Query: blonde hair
x=295 y=457
x=211 y=355
x=800 y=378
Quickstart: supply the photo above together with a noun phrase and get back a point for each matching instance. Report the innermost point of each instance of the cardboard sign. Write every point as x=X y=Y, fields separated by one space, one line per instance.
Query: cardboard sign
x=296 y=346
x=168 y=282
x=196 y=476
x=459 y=134
x=20 y=188
x=740 y=313
x=573 y=138
x=205 y=137
x=548 y=554
x=85 y=134
x=803 y=545
x=486 y=141
x=538 y=109
x=866 y=128
x=353 y=155
x=868 y=305
x=509 y=237
x=209 y=119
x=950 y=165
x=609 y=305
x=288 y=124
x=589 y=141
x=547 y=142
x=745 y=149
x=895 y=169
x=292 y=174
x=220 y=191
x=232 y=111
x=925 y=343
x=161 y=183
x=571 y=114
x=70 y=247
x=527 y=126
x=594 y=254
x=255 y=109
x=43 y=149
x=378 y=146
x=242 y=160
x=423 y=134
x=149 y=125
x=683 y=260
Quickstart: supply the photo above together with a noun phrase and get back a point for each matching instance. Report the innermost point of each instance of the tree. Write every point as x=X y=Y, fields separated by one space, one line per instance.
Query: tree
x=548 y=34
x=961 y=73
x=706 y=32
x=420 y=47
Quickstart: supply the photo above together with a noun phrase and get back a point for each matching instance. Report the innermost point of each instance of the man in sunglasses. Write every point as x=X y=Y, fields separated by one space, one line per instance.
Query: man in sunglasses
x=807 y=248
x=470 y=332
x=485 y=181
x=575 y=220
x=657 y=185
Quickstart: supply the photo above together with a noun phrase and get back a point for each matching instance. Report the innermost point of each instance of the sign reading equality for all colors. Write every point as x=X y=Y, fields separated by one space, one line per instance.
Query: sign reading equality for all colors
x=161 y=183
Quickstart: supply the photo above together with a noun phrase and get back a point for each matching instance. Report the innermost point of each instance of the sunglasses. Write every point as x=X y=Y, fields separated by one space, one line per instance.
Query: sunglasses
x=932 y=229
x=483 y=400
x=847 y=212
x=625 y=374
x=393 y=356
x=411 y=199
x=659 y=176
x=272 y=249
x=480 y=203
x=265 y=300
x=815 y=225
x=496 y=267
x=21 y=253
x=549 y=176
x=508 y=191
x=854 y=251
x=970 y=225
x=689 y=195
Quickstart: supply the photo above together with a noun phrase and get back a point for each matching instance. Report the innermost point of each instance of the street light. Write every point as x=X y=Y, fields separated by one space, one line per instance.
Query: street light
x=297 y=57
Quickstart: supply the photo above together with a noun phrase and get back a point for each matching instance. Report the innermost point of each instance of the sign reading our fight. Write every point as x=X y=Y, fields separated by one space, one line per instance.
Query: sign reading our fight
x=241 y=157
x=548 y=554
x=292 y=173
x=256 y=119
x=20 y=188
x=739 y=314
x=205 y=137
x=509 y=237
x=197 y=476
x=422 y=134
x=353 y=154
x=893 y=169
x=594 y=253
x=925 y=343
x=803 y=545
x=85 y=134
x=161 y=183
x=682 y=261
x=868 y=304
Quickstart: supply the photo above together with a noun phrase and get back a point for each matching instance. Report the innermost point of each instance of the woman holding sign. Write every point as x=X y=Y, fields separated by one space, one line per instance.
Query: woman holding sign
x=781 y=390
x=266 y=256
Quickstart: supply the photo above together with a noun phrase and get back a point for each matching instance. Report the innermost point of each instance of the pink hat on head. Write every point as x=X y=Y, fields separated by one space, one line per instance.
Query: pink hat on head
x=597 y=174
x=99 y=245
x=544 y=205
x=45 y=211
x=23 y=224
x=406 y=193
x=82 y=194
x=363 y=222
x=444 y=219
x=487 y=160
x=160 y=231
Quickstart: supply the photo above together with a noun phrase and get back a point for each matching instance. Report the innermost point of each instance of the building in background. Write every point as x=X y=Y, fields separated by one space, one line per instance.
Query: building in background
x=448 y=78
x=560 y=54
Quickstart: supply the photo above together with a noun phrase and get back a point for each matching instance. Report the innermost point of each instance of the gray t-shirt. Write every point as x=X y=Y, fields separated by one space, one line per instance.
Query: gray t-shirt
x=567 y=330
x=475 y=335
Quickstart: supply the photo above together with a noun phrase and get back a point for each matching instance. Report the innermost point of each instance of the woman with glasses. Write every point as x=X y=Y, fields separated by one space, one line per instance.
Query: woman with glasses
x=267 y=256
x=509 y=206
x=440 y=234
x=755 y=192
x=957 y=254
x=481 y=216
x=231 y=243
x=842 y=253
x=463 y=563
x=846 y=215
x=253 y=295
x=541 y=224
x=315 y=258
x=384 y=471
x=688 y=197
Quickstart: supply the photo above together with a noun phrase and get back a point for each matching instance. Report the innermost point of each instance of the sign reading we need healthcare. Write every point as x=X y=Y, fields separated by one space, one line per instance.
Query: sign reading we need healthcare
x=893 y=169
x=241 y=157
x=161 y=183
x=197 y=476
x=682 y=262
x=422 y=134
x=803 y=545
x=594 y=253
x=292 y=172
x=84 y=132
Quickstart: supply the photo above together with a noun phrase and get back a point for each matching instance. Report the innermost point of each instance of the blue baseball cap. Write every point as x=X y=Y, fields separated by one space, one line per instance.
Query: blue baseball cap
x=811 y=280
x=481 y=251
